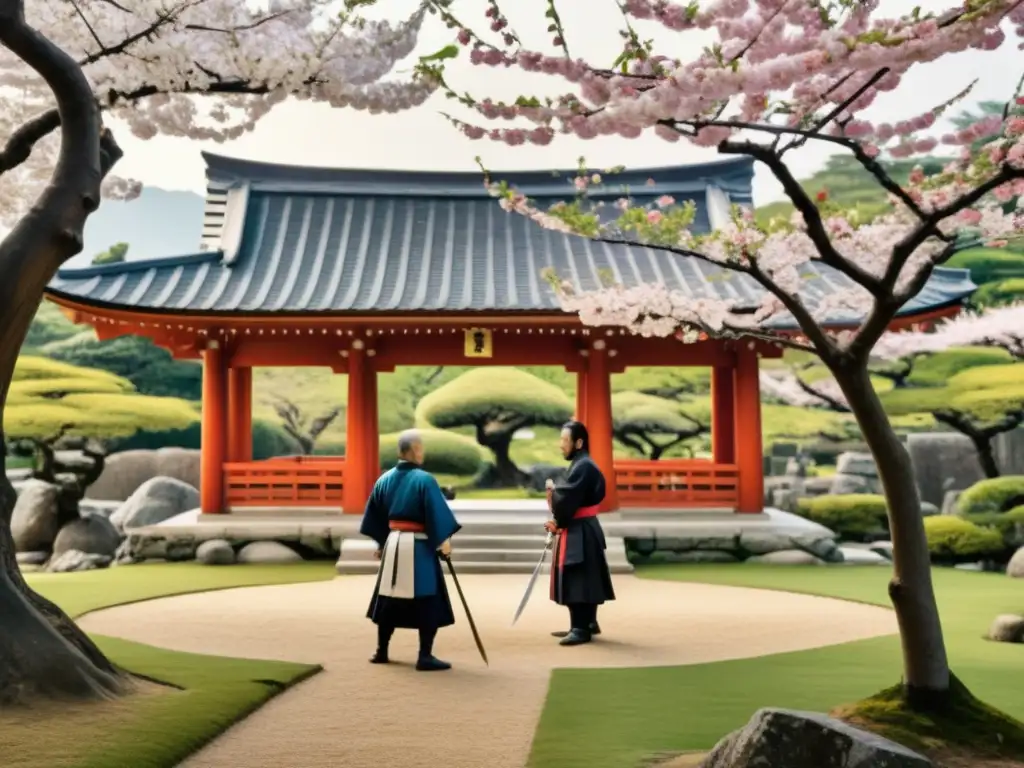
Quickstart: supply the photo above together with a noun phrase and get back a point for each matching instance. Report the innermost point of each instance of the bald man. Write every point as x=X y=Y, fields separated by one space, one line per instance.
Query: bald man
x=410 y=520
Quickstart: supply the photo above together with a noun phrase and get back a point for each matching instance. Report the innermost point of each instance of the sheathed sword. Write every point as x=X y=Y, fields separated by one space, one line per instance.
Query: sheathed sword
x=465 y=607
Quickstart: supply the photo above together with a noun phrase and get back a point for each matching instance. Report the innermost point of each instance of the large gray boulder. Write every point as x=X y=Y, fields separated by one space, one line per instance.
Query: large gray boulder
x=1007 y=628
x=156 y=500
x=35 y=522
x=857 y=464
x=1015 y=568
x=215 y=552
x=74 y=560
x=943 y=461
x=92 y=535
x=124 y=472
x=782 y=738
x=268 y=553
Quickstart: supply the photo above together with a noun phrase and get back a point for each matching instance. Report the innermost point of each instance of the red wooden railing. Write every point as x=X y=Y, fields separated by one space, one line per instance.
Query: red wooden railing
x=677 y=483
x=317 y=481
x=293 y=481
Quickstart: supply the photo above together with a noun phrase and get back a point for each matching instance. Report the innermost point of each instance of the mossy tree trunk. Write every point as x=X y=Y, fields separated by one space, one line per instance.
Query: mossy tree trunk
x=42 y=652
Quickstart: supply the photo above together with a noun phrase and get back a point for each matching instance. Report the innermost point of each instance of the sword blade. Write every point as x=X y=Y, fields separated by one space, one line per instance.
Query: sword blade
x=469 y=614
x=533 y=581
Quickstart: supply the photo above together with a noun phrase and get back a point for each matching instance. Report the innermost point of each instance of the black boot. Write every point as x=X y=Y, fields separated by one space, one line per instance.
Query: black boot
x=427 y=662
x=576 y=637
x=595 y=629
x=384 y=634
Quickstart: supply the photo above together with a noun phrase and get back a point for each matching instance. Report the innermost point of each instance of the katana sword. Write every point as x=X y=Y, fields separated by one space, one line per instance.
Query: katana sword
x=465 y=606
x=533 y=578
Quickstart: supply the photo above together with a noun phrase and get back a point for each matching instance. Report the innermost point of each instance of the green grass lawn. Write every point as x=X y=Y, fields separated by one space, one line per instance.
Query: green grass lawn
x=160 y=725
x=614 y=718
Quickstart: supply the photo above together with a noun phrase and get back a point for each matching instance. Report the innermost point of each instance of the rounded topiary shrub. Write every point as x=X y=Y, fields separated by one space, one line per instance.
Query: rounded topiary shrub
x=998 y=494
x=1009 y=524
x=852 y=516
x=956 y=540
x=447 y=453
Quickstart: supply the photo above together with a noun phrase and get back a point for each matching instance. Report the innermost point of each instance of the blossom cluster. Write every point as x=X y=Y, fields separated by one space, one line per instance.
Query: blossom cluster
x=1000 y=327
x=782 y=73
x=148 y=61
x=789 y=389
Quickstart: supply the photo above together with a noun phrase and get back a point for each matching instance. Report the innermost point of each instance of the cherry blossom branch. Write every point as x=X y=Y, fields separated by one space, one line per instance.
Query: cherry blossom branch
x=803 y=203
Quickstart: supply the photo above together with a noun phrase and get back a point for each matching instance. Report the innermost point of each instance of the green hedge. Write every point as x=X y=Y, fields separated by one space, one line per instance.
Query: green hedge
x=1000 y=293
x=998 y=494
x=853 y=516
x=1009 y=524
x=268 y=440
x=953 y=539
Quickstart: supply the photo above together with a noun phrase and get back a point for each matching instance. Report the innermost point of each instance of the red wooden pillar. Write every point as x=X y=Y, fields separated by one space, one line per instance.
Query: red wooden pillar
x=749 y=453
x=240 y=414
x=599 y=420
x=723 y=415
x=214 y=427
x=354 y=490
x=581 y=393
x=371 y=428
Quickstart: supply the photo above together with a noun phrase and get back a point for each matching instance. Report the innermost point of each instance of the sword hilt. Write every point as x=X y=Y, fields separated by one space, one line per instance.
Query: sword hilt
x=549 y=540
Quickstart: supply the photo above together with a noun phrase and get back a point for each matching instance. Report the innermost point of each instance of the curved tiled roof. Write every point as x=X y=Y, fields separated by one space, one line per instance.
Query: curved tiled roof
x=296 y=240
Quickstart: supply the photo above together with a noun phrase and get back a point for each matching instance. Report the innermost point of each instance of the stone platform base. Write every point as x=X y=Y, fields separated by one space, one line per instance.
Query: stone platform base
x=504 y=536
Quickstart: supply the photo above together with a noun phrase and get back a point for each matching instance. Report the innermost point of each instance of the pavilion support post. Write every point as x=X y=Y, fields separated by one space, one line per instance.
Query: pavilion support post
x=599 y=420
x=723 y=415
x=371 y=428
x=240 y=414
x=214 y=428
x=747 y=413
x=357 y=444
x=581 y=394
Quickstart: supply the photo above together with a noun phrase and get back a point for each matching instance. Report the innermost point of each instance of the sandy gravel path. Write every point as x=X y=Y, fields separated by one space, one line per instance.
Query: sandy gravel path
x=358 y=715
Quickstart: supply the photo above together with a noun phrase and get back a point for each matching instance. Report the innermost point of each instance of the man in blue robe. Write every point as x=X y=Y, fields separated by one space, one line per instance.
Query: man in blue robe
x=580 y=579
x=408 y=517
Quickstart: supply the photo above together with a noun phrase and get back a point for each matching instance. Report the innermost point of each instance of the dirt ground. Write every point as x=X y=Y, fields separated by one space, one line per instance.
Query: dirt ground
x=360 y=715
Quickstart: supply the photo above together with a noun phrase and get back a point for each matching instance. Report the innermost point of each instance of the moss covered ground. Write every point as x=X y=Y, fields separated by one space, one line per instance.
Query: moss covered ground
x=613 y=718
x=197 y=698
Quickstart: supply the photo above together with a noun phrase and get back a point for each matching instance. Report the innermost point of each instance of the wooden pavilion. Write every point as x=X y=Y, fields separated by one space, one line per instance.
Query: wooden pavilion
x=365 y=270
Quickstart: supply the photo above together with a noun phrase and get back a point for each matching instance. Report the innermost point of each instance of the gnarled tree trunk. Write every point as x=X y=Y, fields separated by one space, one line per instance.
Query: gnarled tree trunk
x=42 y=652
x=925 y=664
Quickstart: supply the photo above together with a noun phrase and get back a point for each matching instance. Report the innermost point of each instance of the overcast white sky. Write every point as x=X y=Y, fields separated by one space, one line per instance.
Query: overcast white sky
x=309 y=134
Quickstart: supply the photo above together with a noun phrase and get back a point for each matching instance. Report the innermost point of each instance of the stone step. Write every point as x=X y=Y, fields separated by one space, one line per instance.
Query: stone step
x=478 y=541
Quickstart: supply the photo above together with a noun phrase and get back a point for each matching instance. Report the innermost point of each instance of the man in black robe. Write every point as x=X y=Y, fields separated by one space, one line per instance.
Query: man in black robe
x=580 y=578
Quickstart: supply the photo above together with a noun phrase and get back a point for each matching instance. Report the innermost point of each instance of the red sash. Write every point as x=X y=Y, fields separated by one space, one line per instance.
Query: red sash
x=559 y=559
x=406 y=526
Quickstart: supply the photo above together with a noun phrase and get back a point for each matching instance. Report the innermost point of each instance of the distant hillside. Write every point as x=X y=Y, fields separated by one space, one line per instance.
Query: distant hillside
x=158 y=223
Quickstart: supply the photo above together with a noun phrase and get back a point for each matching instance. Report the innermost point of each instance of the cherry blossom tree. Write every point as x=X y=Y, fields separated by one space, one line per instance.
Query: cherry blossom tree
x=192 y=68
x=779 y=74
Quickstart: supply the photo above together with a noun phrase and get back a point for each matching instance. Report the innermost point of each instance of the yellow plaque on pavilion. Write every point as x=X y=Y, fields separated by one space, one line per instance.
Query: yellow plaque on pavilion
x=478 y=342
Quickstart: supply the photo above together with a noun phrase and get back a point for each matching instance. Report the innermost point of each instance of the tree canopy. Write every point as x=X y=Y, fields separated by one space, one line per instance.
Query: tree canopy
x=496 y=402
x=49 y=400
x=652 y=425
